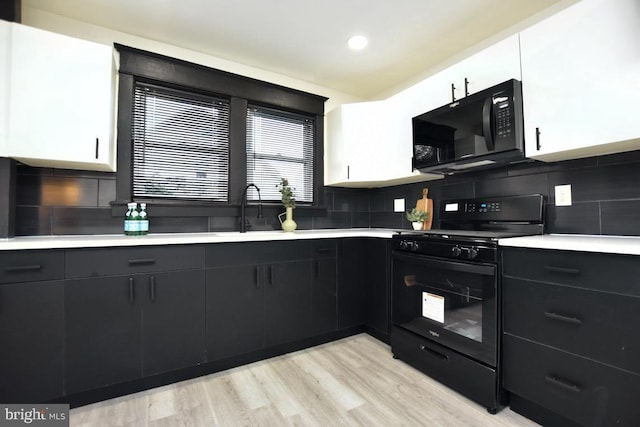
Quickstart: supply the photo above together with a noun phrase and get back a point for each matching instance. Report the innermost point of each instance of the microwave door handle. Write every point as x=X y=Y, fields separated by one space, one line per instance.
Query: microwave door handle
x=487 y=124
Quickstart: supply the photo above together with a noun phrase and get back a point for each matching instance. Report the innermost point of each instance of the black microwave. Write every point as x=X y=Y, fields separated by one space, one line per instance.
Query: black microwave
x=482 y=130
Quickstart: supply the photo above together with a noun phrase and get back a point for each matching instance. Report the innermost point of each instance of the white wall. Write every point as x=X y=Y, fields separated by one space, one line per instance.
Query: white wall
x=59 y=24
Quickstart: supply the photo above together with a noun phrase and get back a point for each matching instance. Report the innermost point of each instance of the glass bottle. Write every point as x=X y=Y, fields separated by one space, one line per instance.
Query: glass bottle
x=127 y=220
x=144 y=219
x=135 y=220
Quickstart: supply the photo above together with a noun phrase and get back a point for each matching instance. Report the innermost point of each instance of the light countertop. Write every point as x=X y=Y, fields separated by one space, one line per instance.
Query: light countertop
x=108 y=240
x=629 y=245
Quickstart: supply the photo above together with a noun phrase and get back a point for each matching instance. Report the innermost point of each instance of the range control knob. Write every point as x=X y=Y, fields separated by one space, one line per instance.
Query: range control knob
x=456 y=251
x=404 y=244
x=472 y=253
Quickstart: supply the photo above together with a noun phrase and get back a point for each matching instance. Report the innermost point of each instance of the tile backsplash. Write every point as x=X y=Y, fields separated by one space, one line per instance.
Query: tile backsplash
x=605 y=193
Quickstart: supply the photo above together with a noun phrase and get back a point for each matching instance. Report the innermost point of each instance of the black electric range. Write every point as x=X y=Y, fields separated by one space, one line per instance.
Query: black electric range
x=446 y=292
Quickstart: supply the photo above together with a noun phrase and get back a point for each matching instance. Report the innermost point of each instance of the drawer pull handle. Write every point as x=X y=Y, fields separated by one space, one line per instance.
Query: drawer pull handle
x=272 y=276
x=23 y=268
x=142 y=261
x=323 y=250
x=562 y=270
x=256 y=278
x=566 y=319
x=435 y=353
x=131 y=294
x=563 y=384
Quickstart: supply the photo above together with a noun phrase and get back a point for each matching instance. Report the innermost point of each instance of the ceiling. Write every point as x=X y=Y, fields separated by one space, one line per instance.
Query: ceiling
x=306 y=39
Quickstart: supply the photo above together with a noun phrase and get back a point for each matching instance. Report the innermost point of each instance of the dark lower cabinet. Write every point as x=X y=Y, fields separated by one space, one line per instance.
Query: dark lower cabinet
x=353 y=302
x=364 y=289
x=578 y=389
x=379 y=288
x=122 y=328
x=103 y=332
x=288 y=302
x=570 y=345
x=31 y=335
x=325 y=309
x=234 y=310
x=173 y=321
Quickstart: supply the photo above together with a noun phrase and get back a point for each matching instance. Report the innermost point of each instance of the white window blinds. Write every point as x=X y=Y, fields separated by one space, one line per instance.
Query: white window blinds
x=180 y=145
x=279 y=145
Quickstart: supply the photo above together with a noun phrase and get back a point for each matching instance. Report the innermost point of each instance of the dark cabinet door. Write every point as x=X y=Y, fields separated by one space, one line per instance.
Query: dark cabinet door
x=103 y=331
x=324 y=295
x=353 y=307
x=234 y=310
x=288 y=301
x=379 y=286
x=173 y=320
x=31 y=333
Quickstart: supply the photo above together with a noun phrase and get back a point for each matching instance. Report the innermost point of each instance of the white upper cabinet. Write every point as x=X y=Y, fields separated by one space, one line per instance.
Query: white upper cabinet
x=356 y=134
x=61 y=101
x=489 y=67
x=5 y=49
x=370 y=144
x=581 y=81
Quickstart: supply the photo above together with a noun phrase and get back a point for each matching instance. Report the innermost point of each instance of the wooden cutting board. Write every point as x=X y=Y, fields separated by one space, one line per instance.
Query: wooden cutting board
x=426 y=204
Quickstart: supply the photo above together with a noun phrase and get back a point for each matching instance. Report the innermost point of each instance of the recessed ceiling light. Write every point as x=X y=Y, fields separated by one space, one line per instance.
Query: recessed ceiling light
x=357 y=42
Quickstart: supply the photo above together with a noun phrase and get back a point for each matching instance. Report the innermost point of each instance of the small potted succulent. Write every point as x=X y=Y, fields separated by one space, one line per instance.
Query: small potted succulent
x=417 y=218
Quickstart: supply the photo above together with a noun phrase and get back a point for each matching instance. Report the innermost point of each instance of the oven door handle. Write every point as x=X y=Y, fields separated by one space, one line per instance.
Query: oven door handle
x=459 y=266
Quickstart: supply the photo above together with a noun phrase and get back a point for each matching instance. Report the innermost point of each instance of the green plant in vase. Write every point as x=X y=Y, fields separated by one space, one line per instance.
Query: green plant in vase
x=417 y=218
x=289 y=202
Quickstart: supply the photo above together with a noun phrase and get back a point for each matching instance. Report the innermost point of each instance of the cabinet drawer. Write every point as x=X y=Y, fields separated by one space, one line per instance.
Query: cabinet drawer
x=590 y=393
x=31 y=266
x=324 y=248
x=142 y=259
x=242 y=253
x=589 y=270
x=597 y=325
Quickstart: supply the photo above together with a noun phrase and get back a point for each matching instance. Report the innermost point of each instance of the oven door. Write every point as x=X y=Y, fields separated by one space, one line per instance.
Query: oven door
x=450 y=302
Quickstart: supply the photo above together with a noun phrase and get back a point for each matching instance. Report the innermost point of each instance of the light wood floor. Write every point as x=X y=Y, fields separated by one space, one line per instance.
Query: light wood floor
x=351 y=382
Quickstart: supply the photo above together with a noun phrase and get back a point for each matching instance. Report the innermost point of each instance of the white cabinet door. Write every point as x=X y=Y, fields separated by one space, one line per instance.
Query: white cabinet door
x=356 y=133
x=581 y=81
x=5 y=49
x=493 y=65
x=61 y=104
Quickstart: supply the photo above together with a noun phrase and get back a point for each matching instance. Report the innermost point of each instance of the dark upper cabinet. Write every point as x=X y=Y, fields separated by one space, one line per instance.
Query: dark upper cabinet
x=31 y=333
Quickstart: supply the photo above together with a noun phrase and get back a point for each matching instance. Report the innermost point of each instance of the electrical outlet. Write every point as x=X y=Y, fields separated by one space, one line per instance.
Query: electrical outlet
x=563 y=195
x=398 y=205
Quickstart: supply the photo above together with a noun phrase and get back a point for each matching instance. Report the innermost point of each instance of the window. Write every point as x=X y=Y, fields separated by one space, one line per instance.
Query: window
x=191 y=137
x=279 y=145
x=180 y=145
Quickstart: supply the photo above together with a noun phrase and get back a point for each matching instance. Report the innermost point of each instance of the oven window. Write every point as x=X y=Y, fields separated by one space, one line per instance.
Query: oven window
x=433 y=298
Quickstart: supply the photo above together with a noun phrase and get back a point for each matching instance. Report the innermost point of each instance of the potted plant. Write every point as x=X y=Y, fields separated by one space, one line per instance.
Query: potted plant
x=289 y=202
x=417 y=218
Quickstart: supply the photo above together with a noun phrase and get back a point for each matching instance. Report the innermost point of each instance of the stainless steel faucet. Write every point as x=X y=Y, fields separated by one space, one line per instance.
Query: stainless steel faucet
x=243 y=225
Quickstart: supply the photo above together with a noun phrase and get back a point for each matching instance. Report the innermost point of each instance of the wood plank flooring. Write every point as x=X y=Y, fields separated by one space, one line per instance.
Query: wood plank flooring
x=351 y=382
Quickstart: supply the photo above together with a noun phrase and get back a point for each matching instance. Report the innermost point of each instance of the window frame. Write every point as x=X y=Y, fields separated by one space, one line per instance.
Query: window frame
x=146 y=67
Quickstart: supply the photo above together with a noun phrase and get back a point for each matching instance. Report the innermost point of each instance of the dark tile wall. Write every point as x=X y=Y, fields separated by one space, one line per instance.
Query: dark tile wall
x=605 y=191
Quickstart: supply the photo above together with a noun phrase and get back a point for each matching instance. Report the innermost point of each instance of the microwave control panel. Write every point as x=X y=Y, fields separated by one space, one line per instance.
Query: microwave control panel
x=502 y=112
